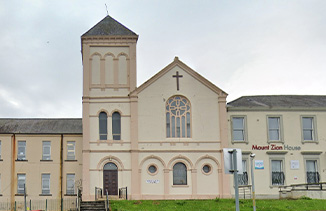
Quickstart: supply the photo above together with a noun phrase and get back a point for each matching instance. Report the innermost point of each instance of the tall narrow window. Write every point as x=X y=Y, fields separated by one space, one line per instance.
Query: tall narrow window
x=21 y=153
x=116 y=126
x=238 y=128
x=274 y=129
x=71 y=148
x=103 y=126
x=45 y=183
x=178 y=112
x=277 y=172
x=243 y=178
x=46 y=155
x=70 y=184
x=179 y=174
x=308 y=128
x=21 y=181
x=312 y=171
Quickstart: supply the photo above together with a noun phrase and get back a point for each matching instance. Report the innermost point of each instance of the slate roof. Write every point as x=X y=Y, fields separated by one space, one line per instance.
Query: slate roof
x=280 y=101
x=41 y=126
x=108 y=26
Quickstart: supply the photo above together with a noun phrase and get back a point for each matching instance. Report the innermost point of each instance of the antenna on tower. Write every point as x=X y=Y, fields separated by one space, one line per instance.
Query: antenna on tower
x=107 y=12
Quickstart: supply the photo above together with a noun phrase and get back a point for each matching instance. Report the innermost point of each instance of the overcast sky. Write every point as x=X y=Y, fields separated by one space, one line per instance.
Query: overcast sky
x=243 y=47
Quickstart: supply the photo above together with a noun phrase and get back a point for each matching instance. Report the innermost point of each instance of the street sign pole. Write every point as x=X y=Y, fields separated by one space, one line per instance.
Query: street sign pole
x=235 y=173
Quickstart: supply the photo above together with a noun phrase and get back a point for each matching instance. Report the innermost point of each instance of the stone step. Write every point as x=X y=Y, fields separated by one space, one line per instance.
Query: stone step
x=92 y=205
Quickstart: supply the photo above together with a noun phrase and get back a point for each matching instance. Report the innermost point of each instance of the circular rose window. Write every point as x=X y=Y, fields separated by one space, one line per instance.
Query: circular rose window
x=152 y=169
x=207 y=169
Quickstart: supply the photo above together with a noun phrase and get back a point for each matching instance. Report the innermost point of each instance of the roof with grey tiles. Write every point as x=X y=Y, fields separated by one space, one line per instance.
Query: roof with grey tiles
x=280 y=101
x=41 y=126
x=108 y=26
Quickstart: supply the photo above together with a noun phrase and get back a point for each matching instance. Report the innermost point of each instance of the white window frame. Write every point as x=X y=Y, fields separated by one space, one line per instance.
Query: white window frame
x=21 y=177
x=244 y=129
x=280 y=129
x=46 y=144
x=46 y=190
x=71 y=150
x=313 y=129
x=277 y=157
x=21 y=155
x=70 y=179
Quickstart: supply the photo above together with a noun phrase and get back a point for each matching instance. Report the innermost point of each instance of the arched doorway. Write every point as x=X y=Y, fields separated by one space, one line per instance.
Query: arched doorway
x=110 y=179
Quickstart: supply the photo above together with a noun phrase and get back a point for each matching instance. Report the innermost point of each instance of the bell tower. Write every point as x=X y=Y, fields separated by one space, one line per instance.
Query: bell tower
x=109 y=76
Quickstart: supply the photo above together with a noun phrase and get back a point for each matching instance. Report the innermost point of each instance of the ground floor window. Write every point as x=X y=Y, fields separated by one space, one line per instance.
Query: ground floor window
x=21 y=179
x=179 y=174
x=277 y=172
x=45 y=183
x=312 y=171
x=70 y=184
x=243 y=178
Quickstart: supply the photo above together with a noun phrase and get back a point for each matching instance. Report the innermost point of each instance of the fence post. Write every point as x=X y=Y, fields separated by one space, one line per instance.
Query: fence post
x=126 y=193
x=15 y=205
x=30 y=204
x=46 y=204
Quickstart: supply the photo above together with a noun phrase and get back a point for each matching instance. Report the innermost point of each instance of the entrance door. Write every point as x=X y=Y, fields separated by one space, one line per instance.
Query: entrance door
x=110 y=179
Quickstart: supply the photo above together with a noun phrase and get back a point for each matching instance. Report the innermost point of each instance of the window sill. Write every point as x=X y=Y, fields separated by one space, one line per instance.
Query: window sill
x=276 y=186
x=180 y=186
x=46 y=160
x=45 y=194
x=21 y=160
x=70 y=160
x=20 y=194
x=70 y=195
x=0 y=194
x=309 y=141
x=275 y=142
x=1 y=159
x=240 y=142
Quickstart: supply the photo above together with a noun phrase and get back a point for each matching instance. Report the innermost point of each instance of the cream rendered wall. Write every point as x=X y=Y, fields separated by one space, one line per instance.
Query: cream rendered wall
x=257 y=133
x=5 y=167
x=156 y=148
x=33 y=167
x=204 y=106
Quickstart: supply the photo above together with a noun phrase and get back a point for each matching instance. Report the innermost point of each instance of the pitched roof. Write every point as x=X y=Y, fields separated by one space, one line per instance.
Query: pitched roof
x=193 y=73
x=280 y=101
x=108 y=26
x=41 y=126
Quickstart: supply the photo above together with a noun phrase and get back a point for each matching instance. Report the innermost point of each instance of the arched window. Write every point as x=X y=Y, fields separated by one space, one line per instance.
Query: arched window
x=179 y=174
x=110 y=166
x=103 y=126
x=116 y=126
x=178 y=117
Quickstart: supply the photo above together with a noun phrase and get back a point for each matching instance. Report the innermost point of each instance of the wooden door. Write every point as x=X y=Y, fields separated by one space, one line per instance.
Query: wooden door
x=110 y=182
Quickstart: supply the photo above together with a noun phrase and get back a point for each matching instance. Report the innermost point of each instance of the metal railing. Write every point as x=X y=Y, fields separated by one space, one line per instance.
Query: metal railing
x=312 y=177
x=107 y=205
x=66 y=204
x=98 y=193
x=278 y=178
x=243 y=178
x=123 y=193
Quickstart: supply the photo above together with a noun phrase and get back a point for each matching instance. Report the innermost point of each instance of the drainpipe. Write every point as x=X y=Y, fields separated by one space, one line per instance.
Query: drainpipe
x=61 y=171
x=13 y=163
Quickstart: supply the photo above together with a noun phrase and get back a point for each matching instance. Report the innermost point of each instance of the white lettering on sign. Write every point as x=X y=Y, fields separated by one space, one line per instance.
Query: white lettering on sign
x=152 y=181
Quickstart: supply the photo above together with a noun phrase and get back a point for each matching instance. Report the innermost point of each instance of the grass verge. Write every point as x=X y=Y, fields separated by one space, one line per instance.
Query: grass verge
x=304 y=204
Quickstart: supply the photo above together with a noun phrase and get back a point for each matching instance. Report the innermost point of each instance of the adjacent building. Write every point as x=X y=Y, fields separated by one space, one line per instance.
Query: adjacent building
x=287 y=134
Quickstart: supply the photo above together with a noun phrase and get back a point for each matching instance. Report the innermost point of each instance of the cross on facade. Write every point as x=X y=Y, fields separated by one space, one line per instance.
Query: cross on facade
x=177 y=76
